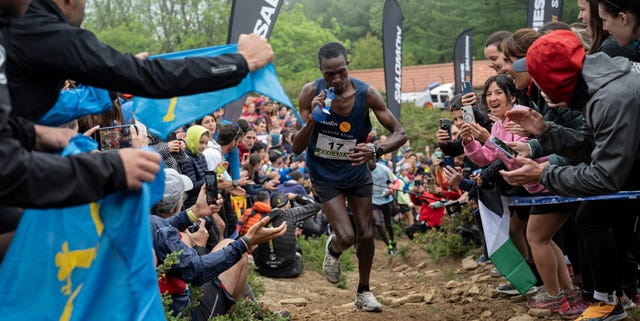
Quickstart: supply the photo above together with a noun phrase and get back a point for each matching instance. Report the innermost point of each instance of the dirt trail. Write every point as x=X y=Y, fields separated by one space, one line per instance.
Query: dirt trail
x=410 y=287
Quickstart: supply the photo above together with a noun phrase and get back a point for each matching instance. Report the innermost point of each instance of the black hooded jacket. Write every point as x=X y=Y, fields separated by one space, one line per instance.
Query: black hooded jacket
x=44 y=51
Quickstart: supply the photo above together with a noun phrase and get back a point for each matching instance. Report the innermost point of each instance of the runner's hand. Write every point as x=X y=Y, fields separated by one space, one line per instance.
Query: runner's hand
x=360 y=154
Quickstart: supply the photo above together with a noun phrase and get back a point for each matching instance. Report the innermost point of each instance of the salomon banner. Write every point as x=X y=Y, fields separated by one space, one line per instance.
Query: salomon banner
x=249 y=16
x=252 y=16
x=463 y=59
x=392 y=51
x=542 y=11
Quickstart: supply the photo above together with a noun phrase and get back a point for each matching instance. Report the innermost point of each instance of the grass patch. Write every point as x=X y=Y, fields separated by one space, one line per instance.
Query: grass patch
x=313 y=255
x=256 y=284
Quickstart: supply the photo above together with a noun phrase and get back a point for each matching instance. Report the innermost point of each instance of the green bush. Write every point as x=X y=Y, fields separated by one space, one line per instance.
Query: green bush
x=445 y=242
x=245 y=310
x=421 y=125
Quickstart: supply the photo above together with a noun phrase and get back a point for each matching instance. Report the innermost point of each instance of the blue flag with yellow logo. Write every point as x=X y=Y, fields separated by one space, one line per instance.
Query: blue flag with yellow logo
x=88 y=262
x=162 y=116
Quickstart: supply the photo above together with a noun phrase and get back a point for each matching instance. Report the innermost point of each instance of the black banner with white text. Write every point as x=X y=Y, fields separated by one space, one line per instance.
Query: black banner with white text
x=249 y=16
x=392 y=53
x=540 y=12
x=252 y=16
x=463 y=59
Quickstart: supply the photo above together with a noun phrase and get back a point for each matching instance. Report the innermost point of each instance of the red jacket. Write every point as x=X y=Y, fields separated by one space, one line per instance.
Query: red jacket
x=432 y=216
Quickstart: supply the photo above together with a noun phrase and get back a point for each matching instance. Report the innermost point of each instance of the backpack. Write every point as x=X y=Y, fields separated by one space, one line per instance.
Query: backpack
x=253 y=215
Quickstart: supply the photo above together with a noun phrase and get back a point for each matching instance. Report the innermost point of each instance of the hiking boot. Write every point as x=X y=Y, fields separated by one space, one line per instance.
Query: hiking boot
x=544 y=301
x=331 y=265
x=573 y=308
x=511 y=290
x=601 y=311
x=392 y=249
x=366 y=302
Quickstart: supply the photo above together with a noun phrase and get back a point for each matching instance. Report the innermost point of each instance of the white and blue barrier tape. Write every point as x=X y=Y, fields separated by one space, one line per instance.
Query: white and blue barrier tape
x=555 y=199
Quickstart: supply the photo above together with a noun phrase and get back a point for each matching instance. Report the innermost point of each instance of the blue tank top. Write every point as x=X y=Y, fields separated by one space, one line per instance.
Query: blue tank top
x=327 y=153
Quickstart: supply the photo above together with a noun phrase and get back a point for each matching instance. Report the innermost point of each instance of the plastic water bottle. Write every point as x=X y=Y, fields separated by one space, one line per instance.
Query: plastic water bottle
x=321 y=113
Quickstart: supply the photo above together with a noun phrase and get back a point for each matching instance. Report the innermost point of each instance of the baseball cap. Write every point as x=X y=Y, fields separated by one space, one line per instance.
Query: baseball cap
x=520 y=65
x=554 y=61
x=175 y=185
x=279 y=200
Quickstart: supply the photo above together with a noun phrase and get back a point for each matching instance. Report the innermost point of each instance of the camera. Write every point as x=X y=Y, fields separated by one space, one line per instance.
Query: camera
x=194 y=227
x=417 y=183
x=453 y=207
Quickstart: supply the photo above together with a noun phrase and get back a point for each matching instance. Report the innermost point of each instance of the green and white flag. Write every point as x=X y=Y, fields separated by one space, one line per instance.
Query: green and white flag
x=494 y=212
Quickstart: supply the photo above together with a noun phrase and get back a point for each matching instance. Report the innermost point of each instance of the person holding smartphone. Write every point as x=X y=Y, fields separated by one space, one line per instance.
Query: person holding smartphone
x=500 y=95
x=606 y=90
x=481 y=129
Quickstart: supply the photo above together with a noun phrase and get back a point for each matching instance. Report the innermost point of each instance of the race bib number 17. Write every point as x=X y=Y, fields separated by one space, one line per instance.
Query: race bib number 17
x=333 y=148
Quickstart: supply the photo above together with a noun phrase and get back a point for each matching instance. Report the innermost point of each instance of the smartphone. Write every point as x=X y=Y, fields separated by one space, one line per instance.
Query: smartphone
x=467 y=114
x=211 y=182
x=445 y=124
x=245 y=157
x=114 y=137
x=504 y=147
x=466 y=87
x=448 y=161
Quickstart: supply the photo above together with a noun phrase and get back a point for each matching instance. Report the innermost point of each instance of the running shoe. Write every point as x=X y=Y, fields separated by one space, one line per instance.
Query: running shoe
x=366 y=302
x=601 y=311
x=627 y=303
x=495 y=273
x=511 y=290
x=392 y=249
x=542 y=300
x=331 y=265
x=573 y=308
x=483 y=260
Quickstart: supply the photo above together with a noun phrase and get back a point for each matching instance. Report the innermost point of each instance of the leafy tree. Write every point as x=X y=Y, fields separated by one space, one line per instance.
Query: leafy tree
x=366 y=53
x=169 y=25
x=129 y=38
x=295 y=41
x=350 y=16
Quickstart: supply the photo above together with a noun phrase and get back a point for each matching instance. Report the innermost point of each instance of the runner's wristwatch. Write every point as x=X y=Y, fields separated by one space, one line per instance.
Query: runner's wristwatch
x=376 y=151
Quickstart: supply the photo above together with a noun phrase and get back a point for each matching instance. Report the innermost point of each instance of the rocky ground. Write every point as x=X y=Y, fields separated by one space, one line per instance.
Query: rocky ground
x=410 y=287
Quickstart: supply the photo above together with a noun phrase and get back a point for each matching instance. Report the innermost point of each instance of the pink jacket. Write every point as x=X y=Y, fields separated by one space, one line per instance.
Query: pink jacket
x=486 y=154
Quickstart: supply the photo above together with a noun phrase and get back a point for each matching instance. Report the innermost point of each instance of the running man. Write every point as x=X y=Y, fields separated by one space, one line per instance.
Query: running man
x=337 y=154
